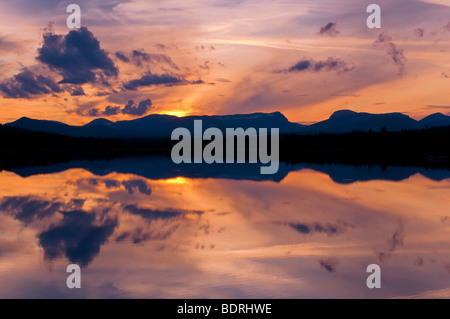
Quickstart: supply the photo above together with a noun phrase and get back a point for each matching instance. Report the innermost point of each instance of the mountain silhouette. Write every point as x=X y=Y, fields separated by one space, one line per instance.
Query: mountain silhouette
x=435 y=120
x=345 y=121
x=161 y=126
x=158 y=126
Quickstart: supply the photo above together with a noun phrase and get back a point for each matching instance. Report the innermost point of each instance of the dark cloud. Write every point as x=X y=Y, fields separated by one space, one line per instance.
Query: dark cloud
x=311 y=228
x=27 y=209
x=383 y=38
x=150 y=79
x=394 y=242
x=122 y=57
x=78 y=237
x=152 y=214
x=300 y=66
x=140 y=58
x=139 y=184
x=142 y=108
x=167 y=220
x=130 y=108
x=396 y=54
x=111 y=110
x=93 y=113
x=419 y=32
x=329 y=264
x=331 y=64
x=26 y=83
x=110 y=183
x=447 y=27
x=200 y=82
x=330 y=29
x=77 y=91
x=139 y=235
x=77 y=57
x=396 y=238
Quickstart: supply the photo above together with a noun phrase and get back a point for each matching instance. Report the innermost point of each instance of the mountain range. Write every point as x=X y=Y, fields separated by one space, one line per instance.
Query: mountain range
x=161 y=126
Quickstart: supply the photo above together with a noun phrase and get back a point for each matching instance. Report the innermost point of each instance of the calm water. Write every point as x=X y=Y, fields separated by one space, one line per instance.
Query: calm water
x=140 y=229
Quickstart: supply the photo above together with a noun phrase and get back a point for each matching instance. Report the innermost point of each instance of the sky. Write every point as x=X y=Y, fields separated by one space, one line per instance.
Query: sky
x=304 y=58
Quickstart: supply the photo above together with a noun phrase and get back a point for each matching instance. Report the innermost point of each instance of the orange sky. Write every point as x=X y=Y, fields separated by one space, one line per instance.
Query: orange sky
x=242 y=52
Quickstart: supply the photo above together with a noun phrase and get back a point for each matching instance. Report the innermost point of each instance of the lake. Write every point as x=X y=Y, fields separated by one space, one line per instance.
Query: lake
x=146 y=228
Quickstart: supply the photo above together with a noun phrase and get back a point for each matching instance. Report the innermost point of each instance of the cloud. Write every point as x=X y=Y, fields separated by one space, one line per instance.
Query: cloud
x=419 y=32
x=150 y=79
x=93 y=113
x=111 y=110
x=140 y=57
x=396 y=238
x=77 y=91
x=167 y=219
x=27 y=84
x=394 y=242
x=141 y=185
x=331 y=64
x=77 y=57
x=139 y=235
x=330 y=29
x=110 y=183
x=161 y=46
x=27 y=208
x=142 y=108
x=130 y=108
x=329 y=264
x=447 y=27
x=153 y=214
x=396 y=54
x=311 y=228
x=77 y=236
x=122 y=57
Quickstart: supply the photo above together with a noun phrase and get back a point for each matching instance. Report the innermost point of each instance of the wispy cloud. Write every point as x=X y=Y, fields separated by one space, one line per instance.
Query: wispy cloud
x=330 y=29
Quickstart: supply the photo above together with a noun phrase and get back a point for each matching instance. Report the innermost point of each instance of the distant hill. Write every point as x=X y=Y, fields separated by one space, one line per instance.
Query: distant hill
x=345 y=121
x=158 y=126
x=435 y=120
x=161 y=126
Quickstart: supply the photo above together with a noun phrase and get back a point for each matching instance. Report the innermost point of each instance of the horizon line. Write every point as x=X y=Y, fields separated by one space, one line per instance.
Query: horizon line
x=235 y=114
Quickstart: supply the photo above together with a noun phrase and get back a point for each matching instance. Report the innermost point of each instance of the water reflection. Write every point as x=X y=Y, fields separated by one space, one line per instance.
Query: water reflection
x=164 y=168
x=161 y=234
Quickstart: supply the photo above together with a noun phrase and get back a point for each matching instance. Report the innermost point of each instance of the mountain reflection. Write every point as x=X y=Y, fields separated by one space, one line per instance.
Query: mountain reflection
x=163 y=168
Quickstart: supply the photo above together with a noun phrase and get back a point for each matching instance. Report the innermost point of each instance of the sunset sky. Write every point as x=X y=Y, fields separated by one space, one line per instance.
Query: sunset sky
x=304 y=58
